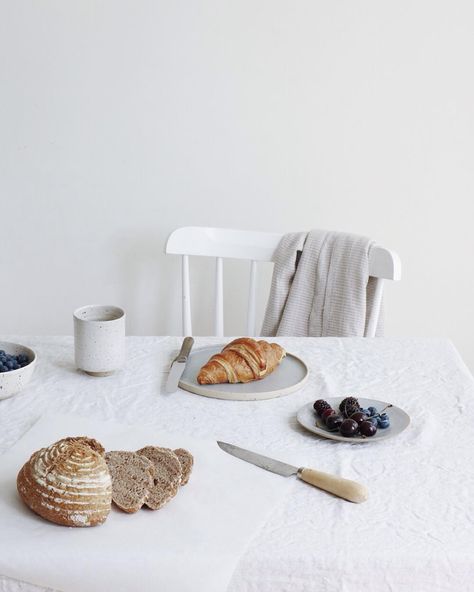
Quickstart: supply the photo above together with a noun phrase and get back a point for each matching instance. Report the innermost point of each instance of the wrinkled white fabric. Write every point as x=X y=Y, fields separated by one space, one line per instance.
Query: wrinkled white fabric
x=207 y=526
x=414 y=534
x=321 y=286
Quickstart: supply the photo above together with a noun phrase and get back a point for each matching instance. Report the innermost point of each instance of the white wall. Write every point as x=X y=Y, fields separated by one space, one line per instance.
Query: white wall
x=122 y=120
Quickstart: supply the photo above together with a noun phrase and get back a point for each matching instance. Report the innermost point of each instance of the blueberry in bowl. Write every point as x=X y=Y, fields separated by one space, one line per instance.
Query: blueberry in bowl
x=17 y=363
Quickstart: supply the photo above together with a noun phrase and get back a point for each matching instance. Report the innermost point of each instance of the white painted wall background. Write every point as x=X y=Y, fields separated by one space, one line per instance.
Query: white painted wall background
x=122 y=120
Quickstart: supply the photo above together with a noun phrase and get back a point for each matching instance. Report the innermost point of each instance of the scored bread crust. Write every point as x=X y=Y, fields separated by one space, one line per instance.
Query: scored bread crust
x=97 y=446
x=168 y=473
x=67 y=483
x=187 y=461
x=132 y=479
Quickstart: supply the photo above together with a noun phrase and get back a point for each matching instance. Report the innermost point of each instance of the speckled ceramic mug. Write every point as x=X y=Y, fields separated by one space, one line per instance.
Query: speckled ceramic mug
x=99 y=339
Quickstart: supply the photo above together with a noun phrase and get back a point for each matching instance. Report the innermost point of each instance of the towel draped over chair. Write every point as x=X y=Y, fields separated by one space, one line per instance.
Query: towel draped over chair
x=321 y=286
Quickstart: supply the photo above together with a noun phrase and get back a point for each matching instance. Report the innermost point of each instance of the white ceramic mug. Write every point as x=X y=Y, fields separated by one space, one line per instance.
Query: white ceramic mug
x=99 y=339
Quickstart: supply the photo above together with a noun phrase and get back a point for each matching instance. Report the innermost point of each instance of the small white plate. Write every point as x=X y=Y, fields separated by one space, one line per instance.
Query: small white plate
x=399 y=421
x=290 y=376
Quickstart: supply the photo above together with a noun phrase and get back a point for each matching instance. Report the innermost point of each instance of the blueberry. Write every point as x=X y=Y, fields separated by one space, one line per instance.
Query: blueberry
x=372 y=411
x=365 y=411
x=383 y=421
x=10 y=362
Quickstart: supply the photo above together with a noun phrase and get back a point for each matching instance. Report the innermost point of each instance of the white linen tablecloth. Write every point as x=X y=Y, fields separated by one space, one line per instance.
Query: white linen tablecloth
x=193 y=543
x=415 y=533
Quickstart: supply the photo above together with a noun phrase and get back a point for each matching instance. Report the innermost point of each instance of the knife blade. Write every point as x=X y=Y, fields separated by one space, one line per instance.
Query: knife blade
x=178 y=365
x=344 y=488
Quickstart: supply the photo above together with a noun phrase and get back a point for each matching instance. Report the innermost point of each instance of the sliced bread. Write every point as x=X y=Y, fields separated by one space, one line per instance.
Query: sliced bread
x=132 y=479
x=168 y=473
x=186 y=459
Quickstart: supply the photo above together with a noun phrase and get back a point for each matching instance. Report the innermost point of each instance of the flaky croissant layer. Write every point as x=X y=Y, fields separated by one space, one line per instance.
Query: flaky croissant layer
x=242 y=360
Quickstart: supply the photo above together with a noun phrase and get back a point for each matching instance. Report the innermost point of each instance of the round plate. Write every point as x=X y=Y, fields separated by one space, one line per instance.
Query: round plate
x=399 y=421
x=290 y=376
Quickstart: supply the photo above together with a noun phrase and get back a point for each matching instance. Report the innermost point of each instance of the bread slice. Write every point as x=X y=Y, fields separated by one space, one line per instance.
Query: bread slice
x=132 y=479
x=186 y=459
x=168 y=473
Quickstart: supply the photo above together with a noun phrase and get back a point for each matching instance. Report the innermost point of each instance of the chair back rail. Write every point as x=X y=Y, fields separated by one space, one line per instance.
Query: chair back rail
x=226 y=243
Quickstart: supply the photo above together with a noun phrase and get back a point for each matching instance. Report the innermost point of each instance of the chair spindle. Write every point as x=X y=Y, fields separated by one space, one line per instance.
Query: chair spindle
x=372 y=321
x=186 y=296
x=219 y=302
x=252 y=299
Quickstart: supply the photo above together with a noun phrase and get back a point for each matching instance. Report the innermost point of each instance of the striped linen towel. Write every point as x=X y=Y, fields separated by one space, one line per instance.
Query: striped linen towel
x=321 y=286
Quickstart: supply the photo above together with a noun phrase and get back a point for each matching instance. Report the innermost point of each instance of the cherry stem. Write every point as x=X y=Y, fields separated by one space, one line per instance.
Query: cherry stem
x=380 y=412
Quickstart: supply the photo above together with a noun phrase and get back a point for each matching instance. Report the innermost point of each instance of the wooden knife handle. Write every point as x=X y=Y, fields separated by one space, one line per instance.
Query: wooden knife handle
x=185 y=350
x=349 y=490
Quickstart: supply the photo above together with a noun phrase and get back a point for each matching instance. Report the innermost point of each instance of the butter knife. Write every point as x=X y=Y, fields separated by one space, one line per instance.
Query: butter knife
x=349 y=490
x=178 y=365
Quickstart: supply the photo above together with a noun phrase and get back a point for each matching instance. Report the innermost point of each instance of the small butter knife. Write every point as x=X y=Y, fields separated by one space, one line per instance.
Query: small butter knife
x=349 y=490
x=178 y=365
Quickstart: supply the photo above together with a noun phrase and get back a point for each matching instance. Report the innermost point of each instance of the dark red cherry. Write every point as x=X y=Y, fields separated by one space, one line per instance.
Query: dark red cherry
x=326 y=413
x=333 y=421
x=348 y=428
x=367 y=429
x=359 y=417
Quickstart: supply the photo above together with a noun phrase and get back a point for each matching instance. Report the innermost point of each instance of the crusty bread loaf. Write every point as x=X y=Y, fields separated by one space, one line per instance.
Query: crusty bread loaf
x=186 y=459
x=68 y=483
x=168 y=475
x=97 y=446
x=132 y=479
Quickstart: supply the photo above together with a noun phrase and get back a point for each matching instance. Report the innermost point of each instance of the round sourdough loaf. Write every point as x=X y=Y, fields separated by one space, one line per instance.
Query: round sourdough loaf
x=68 y=483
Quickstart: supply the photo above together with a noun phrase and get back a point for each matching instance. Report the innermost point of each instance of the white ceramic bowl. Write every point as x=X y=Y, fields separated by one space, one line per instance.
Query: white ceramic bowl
x=12 y=382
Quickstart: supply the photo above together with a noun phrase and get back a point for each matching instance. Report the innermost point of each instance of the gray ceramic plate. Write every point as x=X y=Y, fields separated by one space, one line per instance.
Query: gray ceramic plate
x=290 y=376
x=399 y=421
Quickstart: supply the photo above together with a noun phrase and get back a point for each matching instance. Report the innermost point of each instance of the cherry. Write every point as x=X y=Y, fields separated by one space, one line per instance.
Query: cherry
x=367 y=428
x=326 y=413
x=349 y=427
x=334 y=421
x=359 y=417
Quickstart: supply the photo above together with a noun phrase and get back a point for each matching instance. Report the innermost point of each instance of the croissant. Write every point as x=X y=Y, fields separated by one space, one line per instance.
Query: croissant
x=242 y=360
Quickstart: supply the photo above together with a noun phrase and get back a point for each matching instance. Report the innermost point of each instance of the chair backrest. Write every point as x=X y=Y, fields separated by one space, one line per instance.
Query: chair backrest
x=225 y=243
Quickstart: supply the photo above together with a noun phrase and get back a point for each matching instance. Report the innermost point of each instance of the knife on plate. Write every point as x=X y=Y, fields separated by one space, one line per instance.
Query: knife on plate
x=345 y=488
x=178 y=365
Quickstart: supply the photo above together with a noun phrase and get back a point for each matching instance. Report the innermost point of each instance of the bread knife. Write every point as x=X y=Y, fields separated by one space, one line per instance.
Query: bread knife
x=178 y=365
x=348 y=490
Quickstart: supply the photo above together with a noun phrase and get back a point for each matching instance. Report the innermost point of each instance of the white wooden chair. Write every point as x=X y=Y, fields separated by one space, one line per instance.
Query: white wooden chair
x=224 y=243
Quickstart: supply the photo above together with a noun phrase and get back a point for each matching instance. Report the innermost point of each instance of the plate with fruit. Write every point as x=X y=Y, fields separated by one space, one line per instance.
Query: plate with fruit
x=352 y=419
